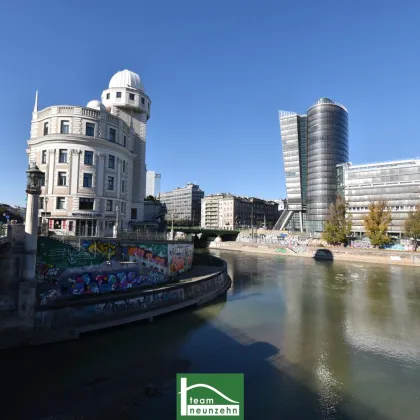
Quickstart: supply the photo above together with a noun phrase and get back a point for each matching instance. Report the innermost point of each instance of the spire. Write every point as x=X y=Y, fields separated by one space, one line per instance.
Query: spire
x=36 y=102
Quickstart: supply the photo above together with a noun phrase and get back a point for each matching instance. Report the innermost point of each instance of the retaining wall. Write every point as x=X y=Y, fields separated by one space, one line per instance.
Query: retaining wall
x=339 y=253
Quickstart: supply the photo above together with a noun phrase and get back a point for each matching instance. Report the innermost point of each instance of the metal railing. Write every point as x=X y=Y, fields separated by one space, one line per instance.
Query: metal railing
x=122 y=236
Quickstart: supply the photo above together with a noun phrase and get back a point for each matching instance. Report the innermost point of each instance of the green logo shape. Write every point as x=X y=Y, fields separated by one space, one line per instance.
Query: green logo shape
x=210 y=395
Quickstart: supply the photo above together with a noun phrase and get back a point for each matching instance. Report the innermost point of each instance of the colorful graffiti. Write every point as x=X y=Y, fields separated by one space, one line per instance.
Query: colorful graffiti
x=103 y=266
x=180 y=257
x=109 y=307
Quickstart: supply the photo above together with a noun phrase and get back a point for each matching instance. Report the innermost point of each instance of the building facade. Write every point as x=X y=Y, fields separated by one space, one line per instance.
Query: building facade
x=93 y=158
x=227 y=211
x=327 y=147
x=183 y=204
x=313 y=144
x=152 y=184
x=397 y=183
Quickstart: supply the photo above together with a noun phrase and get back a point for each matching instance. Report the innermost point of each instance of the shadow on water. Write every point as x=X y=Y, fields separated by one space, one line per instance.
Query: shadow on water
x=103 y=376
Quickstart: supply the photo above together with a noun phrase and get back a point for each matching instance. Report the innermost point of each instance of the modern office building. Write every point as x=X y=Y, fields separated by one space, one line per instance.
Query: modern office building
x=152 y=184
x=397 y=183
x=227 y=211
x=93 y=158
x=313 y=144
x=327 y=147
x=183 y=205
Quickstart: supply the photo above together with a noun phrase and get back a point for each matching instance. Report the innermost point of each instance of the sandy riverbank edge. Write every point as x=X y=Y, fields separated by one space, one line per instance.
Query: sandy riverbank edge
x=339 y=253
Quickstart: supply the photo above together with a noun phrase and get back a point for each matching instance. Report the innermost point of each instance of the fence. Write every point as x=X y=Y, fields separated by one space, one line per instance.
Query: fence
x=122 y=236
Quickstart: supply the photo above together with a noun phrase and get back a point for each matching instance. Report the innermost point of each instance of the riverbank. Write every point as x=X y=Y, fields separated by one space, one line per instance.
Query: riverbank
x=405 y=258
x=62 y=321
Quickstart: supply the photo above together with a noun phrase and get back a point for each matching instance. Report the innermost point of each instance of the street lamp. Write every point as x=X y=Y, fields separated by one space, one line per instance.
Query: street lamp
x=33 y=185
x=28 y=284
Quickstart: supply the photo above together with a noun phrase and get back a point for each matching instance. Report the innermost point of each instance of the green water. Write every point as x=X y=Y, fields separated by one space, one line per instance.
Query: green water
x=315 y=340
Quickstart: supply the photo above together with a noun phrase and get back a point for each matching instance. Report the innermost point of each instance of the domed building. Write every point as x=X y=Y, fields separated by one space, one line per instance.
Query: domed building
x=93 y=158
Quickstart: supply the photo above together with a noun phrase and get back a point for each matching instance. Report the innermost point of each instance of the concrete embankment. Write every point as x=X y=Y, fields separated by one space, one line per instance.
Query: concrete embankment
x=207 y=280
x=338 y=253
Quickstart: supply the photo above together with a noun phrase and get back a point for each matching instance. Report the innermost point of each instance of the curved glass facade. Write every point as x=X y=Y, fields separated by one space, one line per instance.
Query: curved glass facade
x=327 y=124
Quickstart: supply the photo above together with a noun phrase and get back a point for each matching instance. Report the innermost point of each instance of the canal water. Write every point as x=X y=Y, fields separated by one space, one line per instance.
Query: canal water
x=315 y=340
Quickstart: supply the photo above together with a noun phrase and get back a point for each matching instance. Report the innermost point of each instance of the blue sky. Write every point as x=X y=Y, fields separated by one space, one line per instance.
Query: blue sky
x=217 y=73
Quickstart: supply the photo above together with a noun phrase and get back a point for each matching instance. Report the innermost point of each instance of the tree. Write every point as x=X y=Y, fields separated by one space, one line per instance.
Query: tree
x=338 y=226
x=376 y=223
x=6 y=210
x=152 y=198
x=412 y=226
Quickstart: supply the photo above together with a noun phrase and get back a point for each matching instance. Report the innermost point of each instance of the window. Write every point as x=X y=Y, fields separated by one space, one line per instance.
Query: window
x=111 y=162
x=44 y=156
x=112 y=134
x=62 y=157
x=108 y=205
x=90 y=129
x=125 y=141
x=86 y=203
x=118 y=94
x=41 y=202
x=87 y=180
x=70 y=226
x=88 y=158
x=62 y=179
x=65 y=127
x=134 y=214
x=123 y=166
x=142 y=101
x=42 y=181
x=122 y=186
x=122 y=208
x=131 y=96
x=45 y=128
x=110 y=183
x=60 y=203
x=108 y=95
x=57 y=224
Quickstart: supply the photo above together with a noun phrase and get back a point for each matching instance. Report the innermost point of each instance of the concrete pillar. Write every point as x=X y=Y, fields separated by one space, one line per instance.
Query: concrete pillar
x=301 y=221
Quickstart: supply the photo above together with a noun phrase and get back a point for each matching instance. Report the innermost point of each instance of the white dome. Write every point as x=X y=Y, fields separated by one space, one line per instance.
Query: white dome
x=95 y=104
x=126 y=78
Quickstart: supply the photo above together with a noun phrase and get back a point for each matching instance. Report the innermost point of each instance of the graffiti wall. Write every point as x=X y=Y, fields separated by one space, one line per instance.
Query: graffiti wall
x=103 y=266
x=180 y=257
x=110 y=307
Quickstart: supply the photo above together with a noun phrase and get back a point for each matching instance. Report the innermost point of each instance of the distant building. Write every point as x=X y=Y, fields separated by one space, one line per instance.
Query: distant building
x=183 y=205
x=227 y=211
x=397 y=183
x=282 y=203
x=152 y=184
x=154 y=215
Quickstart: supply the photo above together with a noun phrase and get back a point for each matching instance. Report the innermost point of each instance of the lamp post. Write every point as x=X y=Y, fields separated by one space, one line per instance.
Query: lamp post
x=27 y=286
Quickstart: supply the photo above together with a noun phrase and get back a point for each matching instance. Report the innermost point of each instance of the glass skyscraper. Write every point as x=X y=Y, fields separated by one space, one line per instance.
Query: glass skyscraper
x=327 y=147
x=313 y=144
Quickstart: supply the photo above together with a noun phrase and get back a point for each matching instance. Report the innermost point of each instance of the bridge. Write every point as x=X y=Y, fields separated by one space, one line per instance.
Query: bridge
x=225 y=234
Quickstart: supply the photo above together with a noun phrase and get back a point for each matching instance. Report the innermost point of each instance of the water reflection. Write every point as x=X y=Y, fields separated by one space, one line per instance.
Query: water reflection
x=348 y=331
